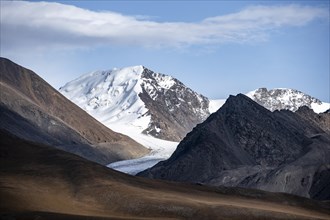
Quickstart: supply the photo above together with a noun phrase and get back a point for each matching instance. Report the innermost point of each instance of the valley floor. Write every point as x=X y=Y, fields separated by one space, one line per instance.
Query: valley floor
x=41 y=182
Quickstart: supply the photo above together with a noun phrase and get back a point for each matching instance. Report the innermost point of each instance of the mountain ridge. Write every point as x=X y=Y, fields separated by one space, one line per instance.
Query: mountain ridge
x=151 y=103
x=285 y=98
x=160 y=105
x=244 y=144
x=27 y=98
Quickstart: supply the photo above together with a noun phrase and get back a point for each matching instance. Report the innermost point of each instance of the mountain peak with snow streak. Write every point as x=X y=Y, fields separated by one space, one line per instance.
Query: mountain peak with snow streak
x=137 y=100
x=284 y=98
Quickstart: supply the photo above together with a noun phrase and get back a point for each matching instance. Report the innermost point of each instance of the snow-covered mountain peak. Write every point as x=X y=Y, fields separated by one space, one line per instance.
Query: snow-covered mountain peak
x=111 y=96
x=136 y=99
x=283 y=98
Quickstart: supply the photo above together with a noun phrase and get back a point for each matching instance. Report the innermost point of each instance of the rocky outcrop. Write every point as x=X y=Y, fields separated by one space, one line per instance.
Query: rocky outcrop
x=322 y=119
x=243 y=144
x=279 y=99
x=174 y=110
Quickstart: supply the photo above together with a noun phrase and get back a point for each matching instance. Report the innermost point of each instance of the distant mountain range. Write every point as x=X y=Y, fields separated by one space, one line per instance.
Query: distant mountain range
x=33 y=110
x=138 y=100
x=244 y=144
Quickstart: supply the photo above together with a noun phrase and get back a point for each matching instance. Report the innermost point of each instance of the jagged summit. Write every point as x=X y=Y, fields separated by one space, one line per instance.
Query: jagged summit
x=283 y=98
x=240 y=101
x=138 y=100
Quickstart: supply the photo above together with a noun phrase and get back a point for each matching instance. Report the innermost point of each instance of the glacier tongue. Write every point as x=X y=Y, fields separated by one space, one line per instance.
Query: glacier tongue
x=112 y=97
x=160 y=150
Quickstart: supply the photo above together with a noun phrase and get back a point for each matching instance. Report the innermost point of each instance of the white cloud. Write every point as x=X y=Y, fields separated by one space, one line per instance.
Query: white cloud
x=44 y=25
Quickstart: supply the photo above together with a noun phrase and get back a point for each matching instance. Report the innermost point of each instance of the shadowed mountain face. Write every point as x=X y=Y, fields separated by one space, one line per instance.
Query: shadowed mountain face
x=41 y=182
x=33 y=110
x=243 y=144
x=174 y=111
x=322 y=120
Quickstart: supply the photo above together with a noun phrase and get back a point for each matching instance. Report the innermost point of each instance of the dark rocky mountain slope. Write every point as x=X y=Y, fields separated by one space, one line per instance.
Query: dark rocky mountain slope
x=174 y=111
x=322 y=119
x=40 y=182
x=33 y=110
x=243 y=144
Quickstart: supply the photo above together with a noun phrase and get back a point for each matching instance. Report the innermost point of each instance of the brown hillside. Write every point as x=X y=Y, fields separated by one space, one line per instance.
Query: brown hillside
x=40 y=182
x=26 y=95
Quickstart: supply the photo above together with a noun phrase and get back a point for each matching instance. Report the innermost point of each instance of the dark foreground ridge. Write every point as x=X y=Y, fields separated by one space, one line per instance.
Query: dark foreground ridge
x=41 y=182
x=243 y=144
x=33 y=110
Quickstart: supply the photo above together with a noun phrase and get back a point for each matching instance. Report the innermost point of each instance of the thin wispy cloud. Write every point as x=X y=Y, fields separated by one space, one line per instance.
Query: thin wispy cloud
x=44 y=25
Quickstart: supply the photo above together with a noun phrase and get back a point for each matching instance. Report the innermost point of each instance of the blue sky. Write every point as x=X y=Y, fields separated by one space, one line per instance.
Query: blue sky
x=215 y=47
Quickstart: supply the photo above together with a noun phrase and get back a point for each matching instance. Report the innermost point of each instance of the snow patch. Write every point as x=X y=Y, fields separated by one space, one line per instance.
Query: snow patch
x=320 y=108
x=215 y=104
x=157 y=129
x=164 y=81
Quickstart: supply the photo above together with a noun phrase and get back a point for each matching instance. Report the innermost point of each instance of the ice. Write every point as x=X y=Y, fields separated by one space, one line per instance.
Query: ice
x=135 y=166
x=320 y=108
x=160 y=150
x=215 y=104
